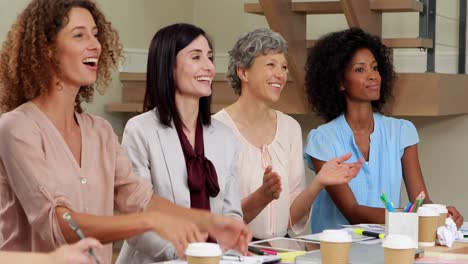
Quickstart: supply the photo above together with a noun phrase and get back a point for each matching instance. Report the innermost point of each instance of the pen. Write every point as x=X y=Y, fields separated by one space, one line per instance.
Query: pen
x=363 y=232
x=387 y=203
x=418 y=201
x=416 y=206
x=269 y=251
x=232 y=258
x=407 y=207
x=72 y=224
x=255 y=250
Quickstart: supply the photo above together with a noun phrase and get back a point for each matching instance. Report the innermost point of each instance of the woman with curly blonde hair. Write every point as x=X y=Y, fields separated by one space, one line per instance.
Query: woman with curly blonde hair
x=55 y=159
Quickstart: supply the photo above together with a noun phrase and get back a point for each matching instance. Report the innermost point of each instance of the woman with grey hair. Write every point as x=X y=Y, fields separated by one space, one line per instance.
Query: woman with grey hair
x=273 y=189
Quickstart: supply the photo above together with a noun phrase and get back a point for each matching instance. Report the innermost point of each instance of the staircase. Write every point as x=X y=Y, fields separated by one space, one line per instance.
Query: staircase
x=416 y=94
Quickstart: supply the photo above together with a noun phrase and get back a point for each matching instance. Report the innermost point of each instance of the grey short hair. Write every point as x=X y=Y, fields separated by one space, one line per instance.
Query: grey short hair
x=249 y=46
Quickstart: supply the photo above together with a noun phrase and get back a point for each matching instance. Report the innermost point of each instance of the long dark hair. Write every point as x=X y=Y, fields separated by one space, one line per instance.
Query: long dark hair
x=160 y=83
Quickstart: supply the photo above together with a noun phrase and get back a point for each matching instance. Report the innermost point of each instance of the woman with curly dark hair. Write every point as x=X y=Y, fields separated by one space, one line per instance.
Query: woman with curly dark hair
x=54 y=159
x=349 y=78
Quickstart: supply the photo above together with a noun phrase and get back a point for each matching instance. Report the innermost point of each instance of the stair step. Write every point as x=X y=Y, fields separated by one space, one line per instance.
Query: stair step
x=311 y=8
x=408 y=43
x=137 y=108
x=396 y=43
x=317 y=7
x=334 y=7
x=429 y=94
x=141 y=76
x=415 y=94
x=126 y=107
x=253 y=8
x=396 y=6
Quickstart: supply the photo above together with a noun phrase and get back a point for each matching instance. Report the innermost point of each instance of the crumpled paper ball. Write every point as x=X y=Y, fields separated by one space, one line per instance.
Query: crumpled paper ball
x=447 y=234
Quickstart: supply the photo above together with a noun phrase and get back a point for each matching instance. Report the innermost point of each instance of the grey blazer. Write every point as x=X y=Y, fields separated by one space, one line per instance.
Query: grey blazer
x=156 y=154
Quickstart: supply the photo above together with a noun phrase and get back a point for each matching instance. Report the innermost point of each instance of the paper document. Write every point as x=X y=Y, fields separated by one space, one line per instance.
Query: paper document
x=246 y=260
x=464 y=227
x=355 y=237
x=368 y=227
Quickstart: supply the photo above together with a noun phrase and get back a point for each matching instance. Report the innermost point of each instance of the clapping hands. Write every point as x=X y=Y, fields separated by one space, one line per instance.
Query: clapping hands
x=336 y=171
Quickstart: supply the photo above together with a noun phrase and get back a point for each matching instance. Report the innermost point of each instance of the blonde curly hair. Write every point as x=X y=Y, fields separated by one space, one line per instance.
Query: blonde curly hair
x=26 y=64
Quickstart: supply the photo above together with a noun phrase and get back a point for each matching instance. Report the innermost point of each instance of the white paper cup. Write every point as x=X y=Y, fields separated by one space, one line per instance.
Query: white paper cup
x=428 y=223
x=443 y=212
x=334 y=246
x=399 y=249
x=203 y=253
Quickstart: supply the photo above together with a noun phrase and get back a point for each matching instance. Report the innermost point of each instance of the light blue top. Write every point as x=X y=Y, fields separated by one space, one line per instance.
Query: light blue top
x=383 y=171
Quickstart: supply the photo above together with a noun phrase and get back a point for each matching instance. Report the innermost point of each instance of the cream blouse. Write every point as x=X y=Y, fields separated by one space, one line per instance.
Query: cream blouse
x=284 y=153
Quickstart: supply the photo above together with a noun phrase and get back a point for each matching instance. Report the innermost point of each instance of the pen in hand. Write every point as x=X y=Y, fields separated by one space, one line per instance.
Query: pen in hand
x=255 y=250
x=72 y=224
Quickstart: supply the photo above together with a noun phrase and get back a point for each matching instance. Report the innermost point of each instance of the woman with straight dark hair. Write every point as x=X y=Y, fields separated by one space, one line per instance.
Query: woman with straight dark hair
x=189 y=158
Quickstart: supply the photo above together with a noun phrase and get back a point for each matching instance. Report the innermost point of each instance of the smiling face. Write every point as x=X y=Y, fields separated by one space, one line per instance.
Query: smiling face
x=266 y=78
x=362 y=78
x=78 y=49
x=194 y=69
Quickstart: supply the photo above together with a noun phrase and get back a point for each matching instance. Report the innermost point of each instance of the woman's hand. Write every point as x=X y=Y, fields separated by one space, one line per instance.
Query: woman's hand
x=230 y=233
x=77 y=253
x=336 y=171
x=178 y=231
x=456 y=216
x=271 y=187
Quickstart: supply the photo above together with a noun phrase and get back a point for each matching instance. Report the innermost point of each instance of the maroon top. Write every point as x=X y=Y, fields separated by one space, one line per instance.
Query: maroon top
x=201 y=174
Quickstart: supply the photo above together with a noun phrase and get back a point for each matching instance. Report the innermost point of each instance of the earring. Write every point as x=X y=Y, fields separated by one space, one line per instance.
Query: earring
x=342 y=88
x=59 y=86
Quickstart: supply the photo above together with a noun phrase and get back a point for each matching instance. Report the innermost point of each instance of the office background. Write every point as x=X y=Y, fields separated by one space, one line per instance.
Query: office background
x=443 y=147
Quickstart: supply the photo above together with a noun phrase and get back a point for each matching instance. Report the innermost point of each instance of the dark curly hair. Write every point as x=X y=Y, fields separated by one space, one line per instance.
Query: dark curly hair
x=26 y=64
x=326 y=65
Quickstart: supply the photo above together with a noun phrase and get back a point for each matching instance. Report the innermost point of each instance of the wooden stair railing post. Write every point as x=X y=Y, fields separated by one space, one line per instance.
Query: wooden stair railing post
x=292 y=26
x=359 y=14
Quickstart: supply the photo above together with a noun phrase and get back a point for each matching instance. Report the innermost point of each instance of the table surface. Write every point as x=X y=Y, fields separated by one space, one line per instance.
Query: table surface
x=457 y=248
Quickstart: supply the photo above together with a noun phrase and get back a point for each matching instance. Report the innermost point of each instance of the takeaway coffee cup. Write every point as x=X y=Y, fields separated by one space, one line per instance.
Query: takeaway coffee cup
x=428 y=222
x=443 y=212
x=399 y=249
x=334 y=246
x=203 y=253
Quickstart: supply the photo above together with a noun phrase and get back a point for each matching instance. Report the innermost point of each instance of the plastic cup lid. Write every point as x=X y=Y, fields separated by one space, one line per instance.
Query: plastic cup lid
x=336 y=236
x=428 y=211
x=442 y=209
x=398 y=242
x=203 y=250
